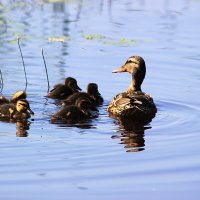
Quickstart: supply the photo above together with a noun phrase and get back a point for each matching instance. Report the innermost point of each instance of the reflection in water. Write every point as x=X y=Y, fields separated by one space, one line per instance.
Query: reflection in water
x=3 y=23
x=82 y=125
x=22 y=127
x=60 y=9
x=132 y=135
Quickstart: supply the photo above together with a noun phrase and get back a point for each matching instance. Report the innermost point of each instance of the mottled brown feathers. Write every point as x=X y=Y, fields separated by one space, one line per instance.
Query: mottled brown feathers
x=133 y=103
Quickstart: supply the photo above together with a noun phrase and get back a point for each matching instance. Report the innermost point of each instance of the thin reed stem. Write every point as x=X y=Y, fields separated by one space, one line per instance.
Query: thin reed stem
x=46 y=70
x=18 y=38
x=1 y=90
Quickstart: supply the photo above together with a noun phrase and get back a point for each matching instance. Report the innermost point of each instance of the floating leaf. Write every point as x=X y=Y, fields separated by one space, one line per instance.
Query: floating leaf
x=108 y=41
x=94 y=37
x=58 y=39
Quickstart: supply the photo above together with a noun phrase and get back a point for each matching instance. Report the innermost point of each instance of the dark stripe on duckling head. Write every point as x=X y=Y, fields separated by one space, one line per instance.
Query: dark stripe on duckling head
x=23 y=105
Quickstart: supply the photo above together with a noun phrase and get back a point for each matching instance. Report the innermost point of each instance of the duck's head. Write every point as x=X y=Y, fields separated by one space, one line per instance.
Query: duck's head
x=72 y=83
x=23 y=106
x=85 y=104
x=135 y=65
x=18 y=95
x=92 y=89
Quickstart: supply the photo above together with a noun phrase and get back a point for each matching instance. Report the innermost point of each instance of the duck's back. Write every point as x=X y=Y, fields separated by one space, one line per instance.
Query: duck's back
x=72 y=98
x=69 y=113
x=138 y=105
x=3 y=100
x=9 y=112
x=98 y=100
x=6 y=110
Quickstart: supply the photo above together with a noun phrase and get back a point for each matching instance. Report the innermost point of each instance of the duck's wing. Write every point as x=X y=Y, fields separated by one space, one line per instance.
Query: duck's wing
x=67 y=113
x=59 y=92
x=127 y=105
x=7 y=110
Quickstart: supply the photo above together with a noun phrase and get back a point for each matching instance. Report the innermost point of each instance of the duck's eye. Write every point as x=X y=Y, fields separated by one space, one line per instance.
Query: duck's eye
x=129 y=61
x=23 y=105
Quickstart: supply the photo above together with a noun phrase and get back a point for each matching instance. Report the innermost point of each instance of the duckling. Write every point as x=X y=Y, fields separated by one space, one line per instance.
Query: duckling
x=62 y=91
x=133 y=103
x=3 y=100
x=19 y=111
x=17 y=96
x=75 y=113
x=92 y=94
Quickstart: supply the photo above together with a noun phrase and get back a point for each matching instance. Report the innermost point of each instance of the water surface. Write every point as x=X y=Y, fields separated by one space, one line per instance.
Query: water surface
x=99 y=159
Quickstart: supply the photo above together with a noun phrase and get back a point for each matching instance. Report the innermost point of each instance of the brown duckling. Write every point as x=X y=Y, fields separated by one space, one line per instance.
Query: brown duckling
x=133 y=103
x=92 y=94
x=62 y=91
x=19 y=111
x=17 y=96
x=74 y=113
x=3 y=100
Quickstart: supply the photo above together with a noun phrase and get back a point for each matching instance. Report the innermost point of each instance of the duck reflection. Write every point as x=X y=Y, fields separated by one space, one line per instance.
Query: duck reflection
x=22 y=127
x=82 y=125
x=131 y=135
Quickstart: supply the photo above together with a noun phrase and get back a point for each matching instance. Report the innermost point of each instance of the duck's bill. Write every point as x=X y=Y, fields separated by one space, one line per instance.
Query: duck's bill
x=31 y=112
x=78 y=88
x=121 y=69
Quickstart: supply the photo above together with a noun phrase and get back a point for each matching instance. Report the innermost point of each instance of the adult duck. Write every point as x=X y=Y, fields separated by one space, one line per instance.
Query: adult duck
x=75 y=113
x=133 y=103
x=62 y=91
x=92 y=94
x=19 y=111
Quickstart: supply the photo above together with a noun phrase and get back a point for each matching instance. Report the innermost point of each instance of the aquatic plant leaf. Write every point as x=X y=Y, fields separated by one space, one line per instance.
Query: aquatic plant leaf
x=94 y=37
x=107 y=41
x=58 y=39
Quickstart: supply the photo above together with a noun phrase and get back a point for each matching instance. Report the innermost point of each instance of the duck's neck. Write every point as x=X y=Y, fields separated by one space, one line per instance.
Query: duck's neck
x=135 y=85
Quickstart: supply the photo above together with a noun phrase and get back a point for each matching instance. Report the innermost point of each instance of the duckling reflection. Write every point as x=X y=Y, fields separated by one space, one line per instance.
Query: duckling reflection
x=132 y=135
x=22 y=127
x=86 y=124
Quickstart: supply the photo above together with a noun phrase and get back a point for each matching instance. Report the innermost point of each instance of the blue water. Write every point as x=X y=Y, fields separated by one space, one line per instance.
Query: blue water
x=100 y=159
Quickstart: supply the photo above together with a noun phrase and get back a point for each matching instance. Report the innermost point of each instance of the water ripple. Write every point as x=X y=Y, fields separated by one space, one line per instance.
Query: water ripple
x=176 y=117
